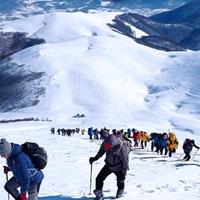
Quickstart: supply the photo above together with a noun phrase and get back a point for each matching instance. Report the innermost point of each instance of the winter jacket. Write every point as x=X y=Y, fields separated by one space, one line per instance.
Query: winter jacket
x=162 y=142
x=188 y=145
x=144 y=136
x=172 y=142
x=117 y=158
x=22 y=168
x=136 y=136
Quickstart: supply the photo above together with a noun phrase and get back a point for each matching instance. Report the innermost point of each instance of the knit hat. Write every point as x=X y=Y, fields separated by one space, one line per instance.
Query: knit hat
x=5 y=147
x=113 y=140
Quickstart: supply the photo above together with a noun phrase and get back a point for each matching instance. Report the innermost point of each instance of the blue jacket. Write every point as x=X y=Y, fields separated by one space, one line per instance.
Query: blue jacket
x=162 y=142
x=23 y=170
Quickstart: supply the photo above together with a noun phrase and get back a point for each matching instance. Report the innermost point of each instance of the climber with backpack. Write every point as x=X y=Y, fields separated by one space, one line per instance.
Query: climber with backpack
x=187 y=148
x=26 y=175
x=172 y=143
x=116 y=161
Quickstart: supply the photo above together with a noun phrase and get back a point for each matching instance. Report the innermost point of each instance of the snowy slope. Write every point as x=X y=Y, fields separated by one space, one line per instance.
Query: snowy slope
x=93 y=70
x=67 y=175
x=116 y=83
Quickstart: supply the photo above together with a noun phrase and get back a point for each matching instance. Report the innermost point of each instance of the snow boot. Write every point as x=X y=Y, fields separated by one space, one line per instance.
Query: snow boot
x=99 y=194
x=120 y=193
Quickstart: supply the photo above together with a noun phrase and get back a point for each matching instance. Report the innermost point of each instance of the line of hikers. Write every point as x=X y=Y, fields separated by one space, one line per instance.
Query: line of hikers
x=166 y=143
x=64 y=132
x=162 y=143
x=117 y=147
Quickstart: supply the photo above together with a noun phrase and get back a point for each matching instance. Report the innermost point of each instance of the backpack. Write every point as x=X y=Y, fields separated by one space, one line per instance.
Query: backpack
x=37 y=154
x=187 y=145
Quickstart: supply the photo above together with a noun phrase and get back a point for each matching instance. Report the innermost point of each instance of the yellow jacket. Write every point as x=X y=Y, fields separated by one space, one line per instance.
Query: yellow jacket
x=172 y=141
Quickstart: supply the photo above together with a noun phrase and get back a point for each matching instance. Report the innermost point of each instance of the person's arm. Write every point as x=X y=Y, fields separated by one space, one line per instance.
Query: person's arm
x=195 y=146
x=98 y=155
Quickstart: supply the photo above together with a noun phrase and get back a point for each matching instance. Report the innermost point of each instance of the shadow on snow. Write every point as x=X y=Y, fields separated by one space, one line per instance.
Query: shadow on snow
x=60 y=197
x=186 y=164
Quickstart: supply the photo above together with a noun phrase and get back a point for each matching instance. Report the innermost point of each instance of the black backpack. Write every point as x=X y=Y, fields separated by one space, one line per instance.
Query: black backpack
x=37 y=154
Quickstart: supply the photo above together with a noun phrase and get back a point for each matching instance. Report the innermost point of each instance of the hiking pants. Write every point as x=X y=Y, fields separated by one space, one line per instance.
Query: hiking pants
x=12 y=185
x=105 y=171
x=187 y=156
x=135 y=143
x=163 y=148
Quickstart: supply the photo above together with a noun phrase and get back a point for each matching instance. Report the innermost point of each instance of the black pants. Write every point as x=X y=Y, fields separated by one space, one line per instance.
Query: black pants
x=105 y=171
x=143 y=143
x=161 y=150
x=187 y=156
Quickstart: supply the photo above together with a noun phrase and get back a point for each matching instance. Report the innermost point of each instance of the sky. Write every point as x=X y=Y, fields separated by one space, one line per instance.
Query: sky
x=116 y=83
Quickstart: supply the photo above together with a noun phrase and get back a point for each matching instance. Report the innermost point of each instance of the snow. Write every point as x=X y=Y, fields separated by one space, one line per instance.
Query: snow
x=116 y=83
x=67 y=175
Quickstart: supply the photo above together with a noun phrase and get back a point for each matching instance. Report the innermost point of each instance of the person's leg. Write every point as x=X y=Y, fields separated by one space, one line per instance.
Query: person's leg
x=187 y=156
x=152 y=146
x=161 y=150
x=105 y=171
x=11 y=187
x=38 y=187
x=142 y=145
x=120 y=184
x=33 y=192
x=166 y=150
x=145 y=143
x=170 y=153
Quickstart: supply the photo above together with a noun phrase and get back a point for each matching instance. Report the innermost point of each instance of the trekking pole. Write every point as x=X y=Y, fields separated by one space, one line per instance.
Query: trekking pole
x=194 y=154
x=7 y=181
x=90 y=179
x=180 y=156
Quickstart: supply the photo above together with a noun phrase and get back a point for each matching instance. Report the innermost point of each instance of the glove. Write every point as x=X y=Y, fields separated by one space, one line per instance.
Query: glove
x=92 y=159
x=5 y=169
x=22 y=196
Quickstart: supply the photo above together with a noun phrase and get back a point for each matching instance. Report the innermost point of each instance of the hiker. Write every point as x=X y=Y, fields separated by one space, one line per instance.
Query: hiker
x=103 y=134
x=90 y=132
x=52 y=130
x=83 y=131
x=144 y=137
x=25 y=175
x=96 y=134
x=162 y=143
x=116 y=161
x=136 y=138
x=154 y=141
x=129 y=132
x=187 y=148
x=172 y=143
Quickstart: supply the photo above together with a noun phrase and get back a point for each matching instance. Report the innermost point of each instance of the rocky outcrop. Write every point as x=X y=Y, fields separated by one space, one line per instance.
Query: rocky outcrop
x=12 y=42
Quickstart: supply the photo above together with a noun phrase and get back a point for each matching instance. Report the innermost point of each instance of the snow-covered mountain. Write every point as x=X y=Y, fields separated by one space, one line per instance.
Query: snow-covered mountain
x=86 y=67
x=58 y=62
x=174 y=30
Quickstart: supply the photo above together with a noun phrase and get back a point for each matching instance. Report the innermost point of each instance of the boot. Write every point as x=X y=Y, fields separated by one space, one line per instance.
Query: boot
x=120 y=193
x=99 y=194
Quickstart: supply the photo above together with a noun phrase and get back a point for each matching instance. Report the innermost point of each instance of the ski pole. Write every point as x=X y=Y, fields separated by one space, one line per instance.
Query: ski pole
x=194 y=154
x=7 y=180
x=90 y=179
